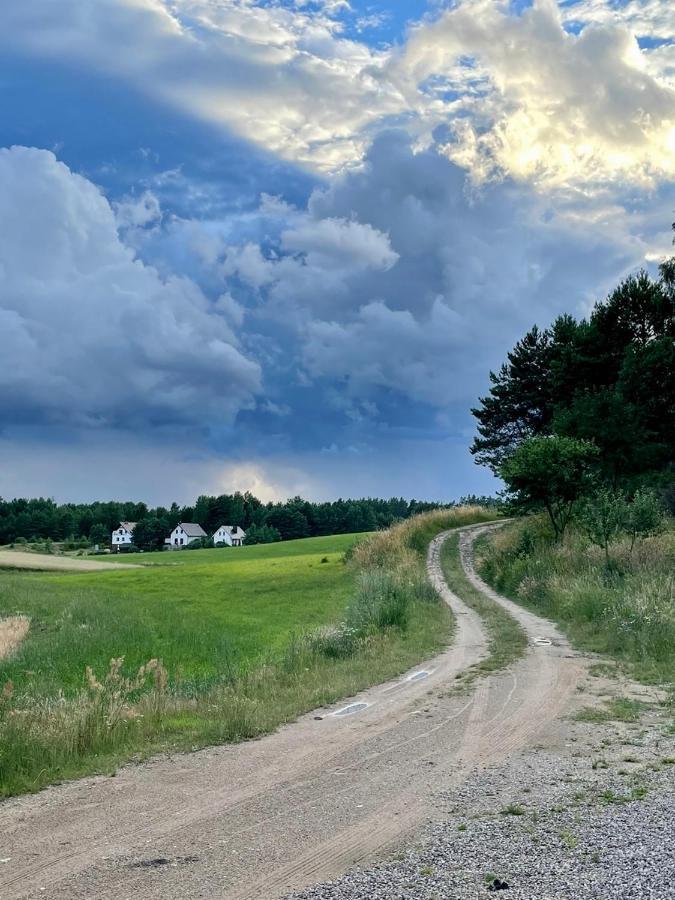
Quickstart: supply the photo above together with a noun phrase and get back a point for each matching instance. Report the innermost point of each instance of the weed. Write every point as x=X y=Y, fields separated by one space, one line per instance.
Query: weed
x=569 y=839
x=513 y=809
x=627 y=616
x=618 y=710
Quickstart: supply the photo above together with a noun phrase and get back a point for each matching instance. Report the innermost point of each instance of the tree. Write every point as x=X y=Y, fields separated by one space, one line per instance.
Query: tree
x=549 y=473
x=645 y=515
x=518 y=406
x=261 y=534
x=604 y=516
x=614 y=427
x=609 y=379
x=289 y=522
x=99 y=534
x=149 y=534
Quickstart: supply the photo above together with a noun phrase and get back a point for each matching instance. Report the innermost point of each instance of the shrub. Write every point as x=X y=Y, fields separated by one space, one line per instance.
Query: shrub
x=630 y=615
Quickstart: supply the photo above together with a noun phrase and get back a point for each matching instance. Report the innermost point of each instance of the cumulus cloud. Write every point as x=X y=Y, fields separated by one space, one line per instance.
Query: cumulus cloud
x=540 y=102
x=401 y=280
x=89 y=334
x=282 y=77
x=561 y=94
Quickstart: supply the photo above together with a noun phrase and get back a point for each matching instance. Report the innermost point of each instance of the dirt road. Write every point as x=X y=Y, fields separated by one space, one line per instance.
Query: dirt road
x=20 y=559
x=256 y=820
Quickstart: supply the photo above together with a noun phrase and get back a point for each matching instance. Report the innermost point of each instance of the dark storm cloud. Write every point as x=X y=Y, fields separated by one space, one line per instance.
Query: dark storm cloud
x=91 y=336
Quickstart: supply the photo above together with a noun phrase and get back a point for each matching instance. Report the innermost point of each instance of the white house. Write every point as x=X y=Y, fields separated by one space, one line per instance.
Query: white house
x=123 y=537
x=185 y=533
x=232 y=535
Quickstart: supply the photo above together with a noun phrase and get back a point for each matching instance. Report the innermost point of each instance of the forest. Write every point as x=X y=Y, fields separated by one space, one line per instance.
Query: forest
x=85 y=523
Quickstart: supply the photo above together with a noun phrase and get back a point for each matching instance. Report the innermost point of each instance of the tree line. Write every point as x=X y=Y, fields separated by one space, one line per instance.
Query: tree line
x=92 y=523
x=586 y=408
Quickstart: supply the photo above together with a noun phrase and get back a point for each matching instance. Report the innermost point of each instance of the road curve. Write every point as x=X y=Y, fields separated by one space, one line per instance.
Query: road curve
x=258 y=819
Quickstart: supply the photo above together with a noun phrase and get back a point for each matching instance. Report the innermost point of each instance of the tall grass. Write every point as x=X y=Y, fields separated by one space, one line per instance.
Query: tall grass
x=393 y=620
x=626 y=610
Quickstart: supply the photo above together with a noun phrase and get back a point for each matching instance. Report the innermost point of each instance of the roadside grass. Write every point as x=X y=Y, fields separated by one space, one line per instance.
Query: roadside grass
x=620 y=709
x=507 y=640
x=626 y=612
x=208 y=646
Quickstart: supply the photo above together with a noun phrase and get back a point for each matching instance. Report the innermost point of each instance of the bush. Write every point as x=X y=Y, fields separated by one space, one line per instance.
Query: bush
x=626 y=610
x=261 y=534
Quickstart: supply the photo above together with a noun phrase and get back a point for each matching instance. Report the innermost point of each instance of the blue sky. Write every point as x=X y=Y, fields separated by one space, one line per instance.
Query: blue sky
x=279 y=246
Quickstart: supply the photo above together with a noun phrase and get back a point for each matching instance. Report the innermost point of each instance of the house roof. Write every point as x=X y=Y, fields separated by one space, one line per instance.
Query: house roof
x=231 y=529
x=128 y=525
x=192 y=529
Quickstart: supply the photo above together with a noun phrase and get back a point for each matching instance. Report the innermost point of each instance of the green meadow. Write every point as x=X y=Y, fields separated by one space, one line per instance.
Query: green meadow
x=201 y=612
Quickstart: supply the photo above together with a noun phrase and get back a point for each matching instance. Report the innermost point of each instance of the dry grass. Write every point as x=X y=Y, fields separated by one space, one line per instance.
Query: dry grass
x=404 y=544
x=12 y=631
x=42 y=562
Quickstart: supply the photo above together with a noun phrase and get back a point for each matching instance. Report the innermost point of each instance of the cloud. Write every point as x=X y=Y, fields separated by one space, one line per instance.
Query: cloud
x=556 y=94
x=88 y=467
x=454 y=275
x=281 y=77
x=89 y=334
x=541 y=103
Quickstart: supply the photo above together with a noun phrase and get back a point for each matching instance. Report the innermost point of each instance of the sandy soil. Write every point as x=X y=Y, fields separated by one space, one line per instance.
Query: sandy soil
x=304 y=804
x=12 y=631
x=19 y=559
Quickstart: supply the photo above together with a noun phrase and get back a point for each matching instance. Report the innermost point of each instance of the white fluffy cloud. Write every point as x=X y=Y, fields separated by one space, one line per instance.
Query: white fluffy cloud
x=541 y=103
x=89 y=335
x=283 y=78
x=521 y=94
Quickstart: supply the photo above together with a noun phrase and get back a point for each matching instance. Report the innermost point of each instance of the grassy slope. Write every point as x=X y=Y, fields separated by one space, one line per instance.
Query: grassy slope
x=628 y=614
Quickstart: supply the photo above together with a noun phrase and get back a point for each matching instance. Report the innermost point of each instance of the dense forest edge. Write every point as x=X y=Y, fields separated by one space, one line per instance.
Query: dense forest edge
x=80 y=525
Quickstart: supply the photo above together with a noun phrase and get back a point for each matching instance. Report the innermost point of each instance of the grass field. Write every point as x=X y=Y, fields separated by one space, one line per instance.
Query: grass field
x=203 y=647
x=201 y=612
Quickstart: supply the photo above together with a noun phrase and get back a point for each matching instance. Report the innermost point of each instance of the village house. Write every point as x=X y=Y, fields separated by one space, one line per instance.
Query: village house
x=183 y=534
x=123 y=537
x=232 y=535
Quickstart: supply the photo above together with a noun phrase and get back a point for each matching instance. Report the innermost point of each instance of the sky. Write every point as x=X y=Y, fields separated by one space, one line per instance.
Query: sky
x=278 y=246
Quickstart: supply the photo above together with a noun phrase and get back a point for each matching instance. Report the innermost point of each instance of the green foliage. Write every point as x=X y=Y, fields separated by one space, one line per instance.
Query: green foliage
x=630 y=616
x=609 y=379
x=261 y=534
x=99 y=534
x=604 y=516
x=645 y=515
x=149 y=534
x=21 y=519
x=549 y=473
